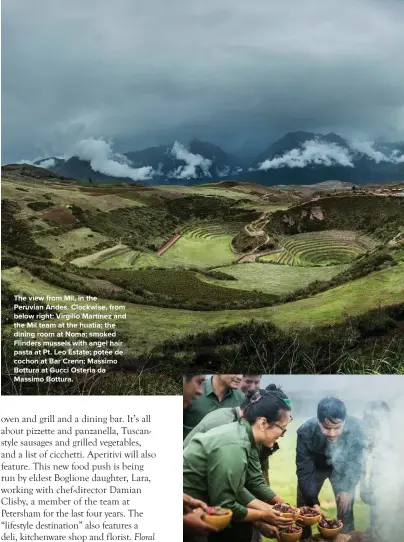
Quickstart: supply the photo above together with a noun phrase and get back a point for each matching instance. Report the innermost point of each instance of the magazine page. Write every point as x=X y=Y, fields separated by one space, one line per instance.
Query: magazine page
x=189 y=188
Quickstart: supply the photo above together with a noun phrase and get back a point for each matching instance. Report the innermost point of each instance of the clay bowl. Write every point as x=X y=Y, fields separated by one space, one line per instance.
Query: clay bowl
x=308 y=520
x=290 y=537
x=220 y=522
x=290 y=515
x=330 y=533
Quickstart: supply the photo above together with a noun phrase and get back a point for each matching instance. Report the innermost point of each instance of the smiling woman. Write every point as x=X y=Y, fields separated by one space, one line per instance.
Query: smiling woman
x=218 y=464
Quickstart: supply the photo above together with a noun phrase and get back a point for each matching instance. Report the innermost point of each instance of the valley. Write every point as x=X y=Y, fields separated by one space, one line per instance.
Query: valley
x=234 y=267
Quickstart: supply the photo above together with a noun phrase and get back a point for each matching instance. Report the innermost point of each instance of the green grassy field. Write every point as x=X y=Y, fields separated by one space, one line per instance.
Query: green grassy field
x=72 y=240
x=272 y=207
x=148 y=326
x=201 y=252
x=189 y=250
x=207 y=191
x=95 y=259
x=283 y=480
x=273 y=279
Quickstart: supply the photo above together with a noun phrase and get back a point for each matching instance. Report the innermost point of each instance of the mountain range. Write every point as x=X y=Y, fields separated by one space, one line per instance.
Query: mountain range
x=296 y=158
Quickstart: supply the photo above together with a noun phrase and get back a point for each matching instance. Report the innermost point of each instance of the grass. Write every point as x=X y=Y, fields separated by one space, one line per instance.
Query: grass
x=134 y=259
x=272 y=207
x=71 y=240
x=190 y=250
x=61 y=195
x=273 y=279
x=207 y=191
x=329 y=247
x=357 y=297
x=283 y=480
x=148 y=326
x=93 y=260
x=184 y=287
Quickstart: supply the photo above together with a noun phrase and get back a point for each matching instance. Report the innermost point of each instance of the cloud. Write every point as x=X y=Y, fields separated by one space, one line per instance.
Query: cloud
x=29 y=162
x=312 y=152
x=101 y=157
x=367 y=147
x=49 y=162
x=224 y=171
x=192 y=162
x=223 y=71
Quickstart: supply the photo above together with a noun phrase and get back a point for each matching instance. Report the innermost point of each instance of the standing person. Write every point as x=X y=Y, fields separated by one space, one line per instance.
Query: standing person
x=330 y=446
x=250 y=383
x=219 y=391
x=216 y=465
x=376 y=423
x=257 y=481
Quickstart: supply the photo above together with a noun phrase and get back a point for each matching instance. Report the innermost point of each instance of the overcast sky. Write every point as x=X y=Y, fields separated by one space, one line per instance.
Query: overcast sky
x=147 y=72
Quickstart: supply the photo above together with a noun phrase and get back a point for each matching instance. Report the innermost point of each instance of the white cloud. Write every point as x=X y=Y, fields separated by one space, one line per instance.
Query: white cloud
x=29 y=162
x=49 y=162
x=101 y=157
x=367 y=147
x=312 y=152
x=192 y=162
x=224 y=171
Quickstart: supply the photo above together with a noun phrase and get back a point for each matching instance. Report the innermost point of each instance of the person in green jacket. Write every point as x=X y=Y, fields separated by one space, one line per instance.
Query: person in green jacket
x=219 y=391
x=258 y=466
x=216 y=466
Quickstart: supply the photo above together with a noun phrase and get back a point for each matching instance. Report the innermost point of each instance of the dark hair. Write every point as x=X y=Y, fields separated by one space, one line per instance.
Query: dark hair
x=248 y=397
x=268 y=404
x=189 y=377
x=331 y=409
x=274 y=388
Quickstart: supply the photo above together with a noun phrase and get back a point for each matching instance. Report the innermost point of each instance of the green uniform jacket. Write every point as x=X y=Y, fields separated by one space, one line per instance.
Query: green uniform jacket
x=216 y=466
x=255 y=483
x=207 y=402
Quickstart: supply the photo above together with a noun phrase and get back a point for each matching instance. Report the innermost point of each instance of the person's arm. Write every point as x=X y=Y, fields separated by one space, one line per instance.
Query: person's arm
x=306 y=473
x=191 y=503
x=255 y=482
x=244 y=497
x=194 y=524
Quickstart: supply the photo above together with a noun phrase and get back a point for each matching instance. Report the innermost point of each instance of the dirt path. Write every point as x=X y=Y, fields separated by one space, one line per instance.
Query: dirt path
x=169 y=244
x=252 y=256
x=256 y=229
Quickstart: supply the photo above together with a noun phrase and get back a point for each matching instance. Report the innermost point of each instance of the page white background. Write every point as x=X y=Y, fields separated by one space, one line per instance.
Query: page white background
x=161 y=500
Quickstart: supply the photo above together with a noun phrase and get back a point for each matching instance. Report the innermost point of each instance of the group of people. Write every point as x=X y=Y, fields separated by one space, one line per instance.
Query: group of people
x=231 y=429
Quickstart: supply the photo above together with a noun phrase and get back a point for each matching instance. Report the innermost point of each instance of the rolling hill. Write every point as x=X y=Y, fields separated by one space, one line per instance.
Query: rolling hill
x=309 y=278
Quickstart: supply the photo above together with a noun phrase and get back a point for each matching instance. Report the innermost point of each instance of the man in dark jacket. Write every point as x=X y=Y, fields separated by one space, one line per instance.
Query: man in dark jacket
x=330 y=446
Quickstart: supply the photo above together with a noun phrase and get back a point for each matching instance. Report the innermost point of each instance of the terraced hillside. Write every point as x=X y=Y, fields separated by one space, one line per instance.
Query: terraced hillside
x=308 y=265
x=329 y=247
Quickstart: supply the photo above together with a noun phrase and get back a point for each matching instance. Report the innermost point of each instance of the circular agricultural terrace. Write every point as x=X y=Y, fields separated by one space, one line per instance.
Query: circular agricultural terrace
x=329 y=247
